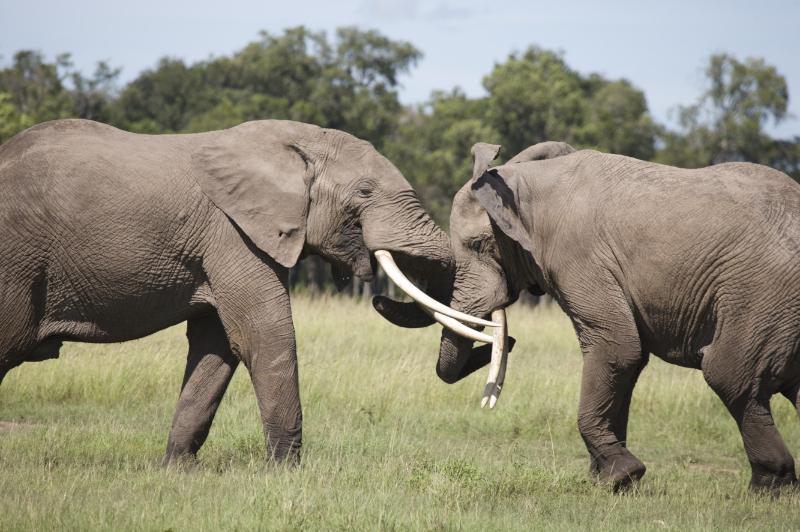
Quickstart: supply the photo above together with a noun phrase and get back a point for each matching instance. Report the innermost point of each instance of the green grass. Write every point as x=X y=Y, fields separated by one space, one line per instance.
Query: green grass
x=387 y=446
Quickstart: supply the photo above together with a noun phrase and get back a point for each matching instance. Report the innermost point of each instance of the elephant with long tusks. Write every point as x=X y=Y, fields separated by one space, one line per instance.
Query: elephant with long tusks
x=109 y=236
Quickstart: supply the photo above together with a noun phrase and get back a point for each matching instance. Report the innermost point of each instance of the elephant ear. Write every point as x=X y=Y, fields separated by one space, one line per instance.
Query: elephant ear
x=260 y=180
x=498 y=195
x=482 y=156
x=542 y=151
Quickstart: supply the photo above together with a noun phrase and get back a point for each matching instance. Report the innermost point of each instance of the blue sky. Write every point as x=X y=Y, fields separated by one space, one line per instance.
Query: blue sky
x=661 y=47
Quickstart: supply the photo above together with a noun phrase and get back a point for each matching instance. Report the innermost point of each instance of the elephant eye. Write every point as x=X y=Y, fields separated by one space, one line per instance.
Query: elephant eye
x=476 y=245
x=364 y=189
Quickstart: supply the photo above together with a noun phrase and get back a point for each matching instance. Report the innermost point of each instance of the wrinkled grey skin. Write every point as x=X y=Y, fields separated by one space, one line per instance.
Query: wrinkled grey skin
x=699 y=267
x=109 y=236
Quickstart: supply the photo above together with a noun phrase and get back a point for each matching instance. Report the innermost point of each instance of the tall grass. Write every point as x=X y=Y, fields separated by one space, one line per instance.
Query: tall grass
x=387 y=446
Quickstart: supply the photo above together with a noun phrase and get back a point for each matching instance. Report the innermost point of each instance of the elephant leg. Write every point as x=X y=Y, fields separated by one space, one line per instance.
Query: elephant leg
x=609 y=374
x=771 y=463
x=793 y=395
x=209 y=368
x=621 y=425
x=260 y=330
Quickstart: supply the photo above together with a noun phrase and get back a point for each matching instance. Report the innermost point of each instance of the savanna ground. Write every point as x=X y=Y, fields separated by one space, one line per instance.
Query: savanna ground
x=387 y=446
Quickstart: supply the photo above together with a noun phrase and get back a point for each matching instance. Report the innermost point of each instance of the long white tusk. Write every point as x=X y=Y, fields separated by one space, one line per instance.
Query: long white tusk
x=458 y=327
x=501 y=377
x=499 y=352
x=424 y=300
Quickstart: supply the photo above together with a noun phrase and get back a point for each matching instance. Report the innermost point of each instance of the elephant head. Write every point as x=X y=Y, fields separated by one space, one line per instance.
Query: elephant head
x=297 y=189
x=489 y=241
x=495 y=260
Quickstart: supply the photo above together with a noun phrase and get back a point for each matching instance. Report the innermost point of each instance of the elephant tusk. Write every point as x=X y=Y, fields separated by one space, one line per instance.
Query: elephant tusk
x=501 y=377
x=497 y=367
x=458 y=327
x=424 y=300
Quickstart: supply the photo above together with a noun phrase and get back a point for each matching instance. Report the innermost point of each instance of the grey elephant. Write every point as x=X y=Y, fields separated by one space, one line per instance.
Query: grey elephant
x=700 y=268
x=109 y=236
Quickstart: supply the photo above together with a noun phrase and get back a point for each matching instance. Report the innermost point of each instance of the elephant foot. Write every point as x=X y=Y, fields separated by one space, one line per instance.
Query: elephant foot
x=617 y=469
x=185 y=463
x=773 y=483
x=283 y=458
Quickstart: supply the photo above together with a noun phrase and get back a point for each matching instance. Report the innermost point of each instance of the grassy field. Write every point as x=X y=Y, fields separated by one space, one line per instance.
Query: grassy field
x=387 y=446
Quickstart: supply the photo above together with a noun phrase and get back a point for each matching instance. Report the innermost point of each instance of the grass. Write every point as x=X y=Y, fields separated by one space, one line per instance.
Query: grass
x=387 y=446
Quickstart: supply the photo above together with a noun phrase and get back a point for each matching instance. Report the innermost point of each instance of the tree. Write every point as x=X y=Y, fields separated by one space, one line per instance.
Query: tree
x=431 y=147
x=91 y=96
x=36 y=87
x=33 y=91
x=163 y=100
x=348 y=84
x=727 y=123
x=536 y=97
x=11 y=120
x=532 y=98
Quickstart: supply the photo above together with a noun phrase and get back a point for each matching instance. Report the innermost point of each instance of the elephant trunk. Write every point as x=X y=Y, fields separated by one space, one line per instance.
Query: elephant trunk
x=410 y=315
x=458 y=359
x=436 y=265
x=454 y=352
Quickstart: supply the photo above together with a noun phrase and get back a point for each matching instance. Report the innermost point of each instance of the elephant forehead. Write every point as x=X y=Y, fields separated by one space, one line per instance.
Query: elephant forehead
x=468 y=218
x=373 y=168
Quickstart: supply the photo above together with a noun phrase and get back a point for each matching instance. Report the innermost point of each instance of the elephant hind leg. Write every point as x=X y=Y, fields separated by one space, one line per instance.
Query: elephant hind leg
x=210 y=366
x=770 y=460
x=21 y=324
x=15 y=350
x=747 y=399
x=793 y=395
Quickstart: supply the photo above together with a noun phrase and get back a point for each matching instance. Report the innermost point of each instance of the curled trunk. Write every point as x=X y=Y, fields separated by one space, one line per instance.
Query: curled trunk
x=458 y=359
x=438 y=270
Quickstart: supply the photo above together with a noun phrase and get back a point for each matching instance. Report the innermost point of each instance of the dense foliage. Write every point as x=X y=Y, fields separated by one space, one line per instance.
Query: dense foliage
x=532 y=97
x=34 y=91
x=350 y=83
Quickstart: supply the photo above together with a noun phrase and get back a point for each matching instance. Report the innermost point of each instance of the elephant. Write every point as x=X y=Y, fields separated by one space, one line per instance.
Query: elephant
x=108 y=236
x=700 y=268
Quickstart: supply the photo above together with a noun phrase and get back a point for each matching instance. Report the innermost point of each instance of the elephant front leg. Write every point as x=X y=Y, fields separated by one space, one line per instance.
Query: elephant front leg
x=609 y=374
x=209 y=368
x=259 y=326
x=274 y=376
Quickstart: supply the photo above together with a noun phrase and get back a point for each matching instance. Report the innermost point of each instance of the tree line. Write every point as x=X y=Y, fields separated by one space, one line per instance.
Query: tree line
x=350 y=83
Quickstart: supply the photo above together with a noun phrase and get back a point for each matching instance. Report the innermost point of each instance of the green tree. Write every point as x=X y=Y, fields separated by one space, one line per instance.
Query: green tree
x=535 y=97
x=784 y=155
x=36 y=87
x=727 y=123
x=33 y=91
x=164 y=99
x=91 y=96
x=431 y=147
x=348 y=84
x=11 y=120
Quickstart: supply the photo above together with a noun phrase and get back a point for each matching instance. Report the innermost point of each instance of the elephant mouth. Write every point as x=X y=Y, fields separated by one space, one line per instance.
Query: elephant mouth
x=457 y=322
x=365 y=267
x=341 y=276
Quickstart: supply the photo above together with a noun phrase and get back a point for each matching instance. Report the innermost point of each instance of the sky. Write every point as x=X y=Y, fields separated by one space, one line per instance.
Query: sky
x=661 y=47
